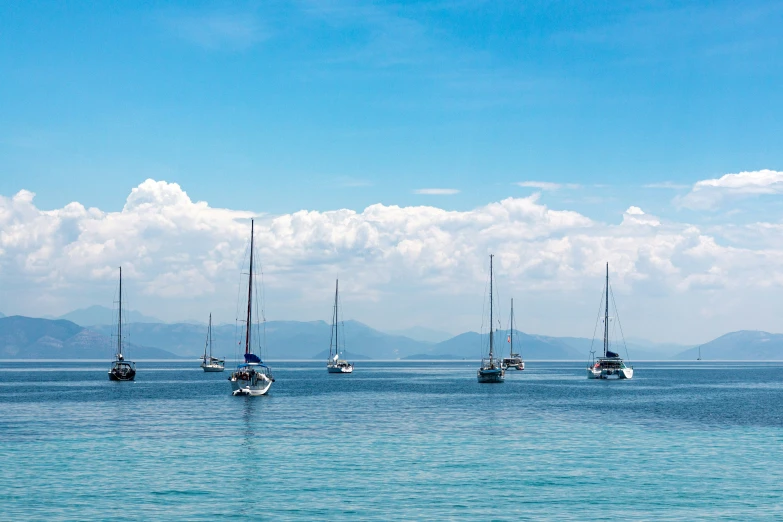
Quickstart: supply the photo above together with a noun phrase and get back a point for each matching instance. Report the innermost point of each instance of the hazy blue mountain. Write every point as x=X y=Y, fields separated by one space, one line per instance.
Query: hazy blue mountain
x=2 y=315
x=102 y=315
x=637 y=351
x=349 y=356
x=745 y=345
x=284 y=339
x=471 y=345
x=421 y=333
x=30 y=338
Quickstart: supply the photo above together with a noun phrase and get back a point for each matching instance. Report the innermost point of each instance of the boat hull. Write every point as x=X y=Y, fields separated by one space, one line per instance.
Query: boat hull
x=518 y=367
x=340 y=369
x=117 y=376
x=494 y=376
x=243 y=387
x=212 y=368
x=610 y=374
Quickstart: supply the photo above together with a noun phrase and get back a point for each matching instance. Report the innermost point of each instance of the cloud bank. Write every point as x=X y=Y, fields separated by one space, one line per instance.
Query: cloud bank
x=174 y=250
x=710 y=193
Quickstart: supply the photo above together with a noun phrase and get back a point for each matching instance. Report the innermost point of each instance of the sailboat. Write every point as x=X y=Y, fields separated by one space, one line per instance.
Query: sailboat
x=252 y=377
x=121 y=370
x=514 y=360
x=491 y=370
x=209 y=363
x=611 y=365
x=699 y=358
x=334 y=364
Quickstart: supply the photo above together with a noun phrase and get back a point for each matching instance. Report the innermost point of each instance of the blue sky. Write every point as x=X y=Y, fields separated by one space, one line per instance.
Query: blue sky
x=279 y=107
x=282 y=106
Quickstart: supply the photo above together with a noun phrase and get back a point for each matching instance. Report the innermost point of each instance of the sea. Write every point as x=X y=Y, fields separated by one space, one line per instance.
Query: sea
x=392 y=441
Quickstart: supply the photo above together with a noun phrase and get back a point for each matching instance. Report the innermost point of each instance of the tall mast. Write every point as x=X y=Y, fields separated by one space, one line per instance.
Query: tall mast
x=209 y=336
x=336 y=316
x=606 y=313
x=491 y=324
x=511 y=333
x=249 y=294
x=119 y=322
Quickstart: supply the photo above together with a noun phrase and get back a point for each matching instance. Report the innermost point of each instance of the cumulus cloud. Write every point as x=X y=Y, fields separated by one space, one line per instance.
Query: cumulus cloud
x=175 y=250
x=547 y=185
x=710 y=193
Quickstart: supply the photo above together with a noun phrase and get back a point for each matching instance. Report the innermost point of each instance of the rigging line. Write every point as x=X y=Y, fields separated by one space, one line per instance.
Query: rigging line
x=597 y=320
x=262 y=306
x=483 y=313
x=237 y=332
x=617 y=314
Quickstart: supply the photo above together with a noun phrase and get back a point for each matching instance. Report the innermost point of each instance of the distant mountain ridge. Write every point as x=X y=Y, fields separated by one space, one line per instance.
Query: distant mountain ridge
x=750 y=345
x=101 y=315
x=23 y=337
x=32 y=338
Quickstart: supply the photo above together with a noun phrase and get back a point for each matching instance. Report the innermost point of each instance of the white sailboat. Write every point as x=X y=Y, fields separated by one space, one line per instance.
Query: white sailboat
x=514 y=360
x=208 y=362
x=121 y=369
x=611 y=365
x=491 y=370
x=334 y=364
x=252 y=377
x=699 y=358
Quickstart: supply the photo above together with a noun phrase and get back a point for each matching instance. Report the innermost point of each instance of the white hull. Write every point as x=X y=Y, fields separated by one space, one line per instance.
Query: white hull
x=212 y=368
x=621 y=373
x=339 y=369
x=243 y=387
x=520 y=367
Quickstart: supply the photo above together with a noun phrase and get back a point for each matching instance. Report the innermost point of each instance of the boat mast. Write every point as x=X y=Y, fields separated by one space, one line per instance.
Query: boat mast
x=209 y=336
x=491 y=324
x=249 y=294
x=334 y=321
x=606 y=313
x=119 y=322
x=511 y=333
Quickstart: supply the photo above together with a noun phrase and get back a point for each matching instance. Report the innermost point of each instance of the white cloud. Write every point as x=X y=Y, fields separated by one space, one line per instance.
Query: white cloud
x=666 y=185
x=183 y=257
x=547 y=185
x=436 y=191
x=710 y=193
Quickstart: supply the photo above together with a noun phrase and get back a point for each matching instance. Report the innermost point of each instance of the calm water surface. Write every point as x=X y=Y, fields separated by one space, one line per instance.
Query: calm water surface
x=405 y=441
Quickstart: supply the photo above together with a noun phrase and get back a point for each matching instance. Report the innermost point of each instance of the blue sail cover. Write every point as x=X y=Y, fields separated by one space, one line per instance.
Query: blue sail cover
x=252 y=358
x=608 y=354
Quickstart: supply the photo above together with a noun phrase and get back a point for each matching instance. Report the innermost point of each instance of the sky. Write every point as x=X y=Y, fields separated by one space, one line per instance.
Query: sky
x=397 y=145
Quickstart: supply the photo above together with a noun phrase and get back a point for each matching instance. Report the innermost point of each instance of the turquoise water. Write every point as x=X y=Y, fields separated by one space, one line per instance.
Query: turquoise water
x=405 y=441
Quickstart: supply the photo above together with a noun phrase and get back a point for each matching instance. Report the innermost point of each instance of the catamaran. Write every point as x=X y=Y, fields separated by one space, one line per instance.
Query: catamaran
x=491 y=370
x=611 y=365
x=252 y=377
x=514 y=360
x=209 y=363
x=334 y=364
x=121 y=370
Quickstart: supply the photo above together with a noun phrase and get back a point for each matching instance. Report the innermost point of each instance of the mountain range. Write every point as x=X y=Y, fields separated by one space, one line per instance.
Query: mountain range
x=35 y=338
x=32 y=338
x=101 y=315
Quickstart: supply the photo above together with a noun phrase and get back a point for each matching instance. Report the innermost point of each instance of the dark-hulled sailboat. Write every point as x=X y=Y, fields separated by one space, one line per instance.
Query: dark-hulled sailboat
x=121 y=370
x=491 y=370
x=611 y=365
x=252 y=377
